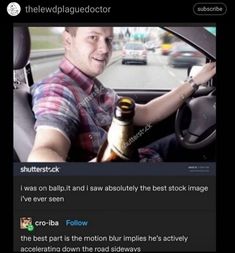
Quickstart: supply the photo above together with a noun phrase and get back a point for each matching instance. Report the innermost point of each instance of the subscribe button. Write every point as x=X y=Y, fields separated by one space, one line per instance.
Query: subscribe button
x=207 y=9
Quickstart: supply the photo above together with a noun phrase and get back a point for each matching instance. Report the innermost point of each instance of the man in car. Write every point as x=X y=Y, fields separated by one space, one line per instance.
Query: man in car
x=73 y=109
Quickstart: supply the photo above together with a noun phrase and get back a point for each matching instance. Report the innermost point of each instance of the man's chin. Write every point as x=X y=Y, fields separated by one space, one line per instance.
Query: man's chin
x=98 y=71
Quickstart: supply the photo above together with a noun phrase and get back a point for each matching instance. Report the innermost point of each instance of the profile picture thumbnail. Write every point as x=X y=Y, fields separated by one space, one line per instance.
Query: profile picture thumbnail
x=25 y=222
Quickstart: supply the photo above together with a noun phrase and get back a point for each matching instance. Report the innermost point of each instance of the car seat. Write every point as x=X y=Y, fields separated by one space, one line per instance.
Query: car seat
x=24 y=120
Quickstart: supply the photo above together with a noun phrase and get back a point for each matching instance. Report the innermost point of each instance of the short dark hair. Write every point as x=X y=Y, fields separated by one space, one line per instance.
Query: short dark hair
x=71 y=30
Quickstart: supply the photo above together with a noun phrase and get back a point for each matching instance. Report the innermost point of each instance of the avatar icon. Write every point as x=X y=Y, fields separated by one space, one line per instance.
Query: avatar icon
x=25 y=222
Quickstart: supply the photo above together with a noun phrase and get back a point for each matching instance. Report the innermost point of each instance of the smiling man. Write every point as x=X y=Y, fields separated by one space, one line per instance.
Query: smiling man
x=73 y=109
x=88 y=48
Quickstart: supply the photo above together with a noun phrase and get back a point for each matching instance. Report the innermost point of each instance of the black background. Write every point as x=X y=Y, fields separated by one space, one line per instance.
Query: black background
x=142 y=13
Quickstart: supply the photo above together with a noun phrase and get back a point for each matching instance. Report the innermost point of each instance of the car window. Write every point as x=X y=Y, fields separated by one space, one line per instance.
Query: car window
x=211 y=29
x=134 y=46
x=182 y=46
x=154 y=66
x=45 y=37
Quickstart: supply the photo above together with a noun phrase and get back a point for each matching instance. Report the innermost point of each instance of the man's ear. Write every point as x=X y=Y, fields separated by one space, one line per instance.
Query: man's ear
x=67 y=40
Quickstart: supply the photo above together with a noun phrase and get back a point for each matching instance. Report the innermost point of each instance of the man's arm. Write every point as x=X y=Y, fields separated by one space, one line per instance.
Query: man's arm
x=50 y=145
x=162 y=107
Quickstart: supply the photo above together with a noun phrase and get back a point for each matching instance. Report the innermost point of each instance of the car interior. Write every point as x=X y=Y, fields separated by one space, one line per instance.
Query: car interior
x=192 y=130
x=23 y=116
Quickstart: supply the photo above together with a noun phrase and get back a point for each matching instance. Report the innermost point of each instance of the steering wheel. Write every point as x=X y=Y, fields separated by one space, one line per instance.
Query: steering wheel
x=201 y=130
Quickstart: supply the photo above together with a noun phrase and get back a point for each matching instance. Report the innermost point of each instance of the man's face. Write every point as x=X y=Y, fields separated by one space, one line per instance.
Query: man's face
x=90 y=49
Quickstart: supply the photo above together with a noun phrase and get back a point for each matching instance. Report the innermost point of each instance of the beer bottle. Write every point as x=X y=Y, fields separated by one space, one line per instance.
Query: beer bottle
x=118 y=146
